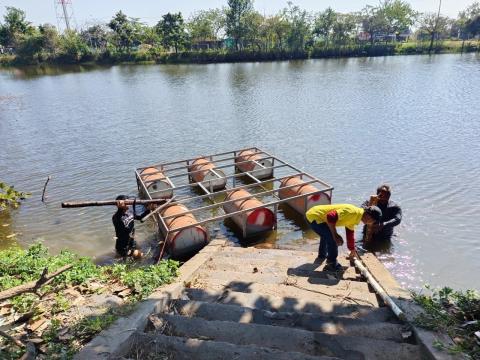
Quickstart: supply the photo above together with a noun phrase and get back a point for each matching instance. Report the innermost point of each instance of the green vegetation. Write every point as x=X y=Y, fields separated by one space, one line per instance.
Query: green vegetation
x=238 y=32
x=10 y=197
x=455 y=313
x=56 y=305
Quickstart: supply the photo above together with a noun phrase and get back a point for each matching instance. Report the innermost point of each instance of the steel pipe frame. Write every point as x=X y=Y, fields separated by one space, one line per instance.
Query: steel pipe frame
x=208 y=207
x=221 y=217
x=257 y=183
x=199 y=197
x=163 y=171
x=204 y=156
x=225 y=177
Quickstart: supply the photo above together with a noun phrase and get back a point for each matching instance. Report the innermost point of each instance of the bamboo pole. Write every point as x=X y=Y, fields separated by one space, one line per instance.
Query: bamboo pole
x=77 y=204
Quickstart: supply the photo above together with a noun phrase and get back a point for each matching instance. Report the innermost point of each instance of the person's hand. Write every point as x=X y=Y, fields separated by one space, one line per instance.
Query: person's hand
x=151 y=206
x=338 y=240
x=353 y=255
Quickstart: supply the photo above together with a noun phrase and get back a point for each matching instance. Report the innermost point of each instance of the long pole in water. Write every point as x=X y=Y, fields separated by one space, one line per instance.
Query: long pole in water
x=77 y=204
x=380 y=291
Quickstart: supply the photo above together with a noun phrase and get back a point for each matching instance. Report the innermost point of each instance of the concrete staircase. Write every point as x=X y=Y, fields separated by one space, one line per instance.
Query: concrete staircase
x=273 y=304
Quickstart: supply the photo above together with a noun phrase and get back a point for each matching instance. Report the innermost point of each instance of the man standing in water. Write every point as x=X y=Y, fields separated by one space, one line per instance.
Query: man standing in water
x=391 y=215
x=325 y=218
x=123 y=221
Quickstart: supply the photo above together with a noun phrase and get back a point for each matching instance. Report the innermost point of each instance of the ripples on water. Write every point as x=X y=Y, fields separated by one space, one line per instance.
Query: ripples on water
x=410 y=121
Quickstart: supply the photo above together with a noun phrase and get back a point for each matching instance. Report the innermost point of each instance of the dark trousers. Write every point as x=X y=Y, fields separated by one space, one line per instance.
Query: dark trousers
x=123 y=246
x=328 y=247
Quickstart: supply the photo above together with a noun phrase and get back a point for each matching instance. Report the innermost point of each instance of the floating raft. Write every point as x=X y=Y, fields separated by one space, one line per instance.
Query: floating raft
x=245 y=185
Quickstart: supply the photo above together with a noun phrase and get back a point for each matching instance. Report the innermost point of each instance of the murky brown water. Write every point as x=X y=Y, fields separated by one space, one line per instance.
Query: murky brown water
x=410 y=121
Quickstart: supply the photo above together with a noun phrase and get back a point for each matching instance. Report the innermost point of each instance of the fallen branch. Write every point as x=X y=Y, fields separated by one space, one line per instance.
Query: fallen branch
x=33 y=286
x=45 y=188
x=12 y=339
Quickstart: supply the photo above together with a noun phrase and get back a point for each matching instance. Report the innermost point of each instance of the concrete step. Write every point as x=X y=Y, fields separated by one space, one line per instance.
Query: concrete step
x=285 y=286
x=158 y=346
x=287 y=266
x=277 y=303
x=272 y=254
x=284 y=339
x=272 y=277
x=334 y=325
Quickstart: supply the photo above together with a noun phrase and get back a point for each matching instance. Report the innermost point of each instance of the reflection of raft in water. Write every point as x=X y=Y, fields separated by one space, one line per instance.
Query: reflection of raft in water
x=224 y=194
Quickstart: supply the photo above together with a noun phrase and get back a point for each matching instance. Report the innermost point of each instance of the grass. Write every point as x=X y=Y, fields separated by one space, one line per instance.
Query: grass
x=156 y=55
x=18 y=266
x=455 y=313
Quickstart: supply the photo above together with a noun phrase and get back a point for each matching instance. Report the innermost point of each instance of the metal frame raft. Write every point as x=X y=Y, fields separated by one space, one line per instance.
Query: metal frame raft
x=185 y=190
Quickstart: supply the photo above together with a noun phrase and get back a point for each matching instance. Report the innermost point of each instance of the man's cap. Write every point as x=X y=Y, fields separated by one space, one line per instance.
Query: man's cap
x=374 y=212
x=121 y=197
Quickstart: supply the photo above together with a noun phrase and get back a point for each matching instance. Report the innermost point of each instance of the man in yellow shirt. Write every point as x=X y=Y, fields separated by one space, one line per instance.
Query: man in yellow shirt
x=324 y=219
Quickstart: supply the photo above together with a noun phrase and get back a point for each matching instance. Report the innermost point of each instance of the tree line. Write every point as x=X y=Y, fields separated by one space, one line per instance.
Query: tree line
x=235 y=28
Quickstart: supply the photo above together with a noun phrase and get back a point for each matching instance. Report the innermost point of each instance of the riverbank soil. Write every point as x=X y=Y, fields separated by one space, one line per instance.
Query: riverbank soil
x=64 y=315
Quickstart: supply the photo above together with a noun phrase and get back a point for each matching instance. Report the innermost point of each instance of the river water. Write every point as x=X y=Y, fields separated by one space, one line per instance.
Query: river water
x=413 y=122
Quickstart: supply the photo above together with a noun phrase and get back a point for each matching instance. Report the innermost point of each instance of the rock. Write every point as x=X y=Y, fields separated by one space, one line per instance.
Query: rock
x=34 y=325
x=124 y=293
x=96 y=304
x=36 y=341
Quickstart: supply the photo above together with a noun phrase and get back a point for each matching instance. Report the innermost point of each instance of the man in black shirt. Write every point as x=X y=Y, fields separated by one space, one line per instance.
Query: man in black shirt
x=123 y=221
x=391 y=214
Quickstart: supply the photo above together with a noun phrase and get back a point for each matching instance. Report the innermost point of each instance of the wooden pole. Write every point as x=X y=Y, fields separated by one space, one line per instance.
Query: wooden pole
x=77 y=204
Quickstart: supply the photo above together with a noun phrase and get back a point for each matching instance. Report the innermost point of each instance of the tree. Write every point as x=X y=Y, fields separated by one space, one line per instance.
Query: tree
x=14 y=28
x=50 y=38
x=433 y=25
x=399 y=16
x=172 y=31
x=300 y=27
x=279 y=27
x=373 y=21
x=126 y=31
x=323 y=24
x=73 y=47
x=206 y=24
x=96 y=36
x=472 y=23
x=343 y=28
x=255 y=29
x=236 y=20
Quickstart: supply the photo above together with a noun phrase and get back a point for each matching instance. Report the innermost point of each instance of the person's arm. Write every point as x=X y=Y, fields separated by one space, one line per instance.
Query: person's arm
x=395 y=220
x=351 y=243
x=332 y=218
x=142 y=215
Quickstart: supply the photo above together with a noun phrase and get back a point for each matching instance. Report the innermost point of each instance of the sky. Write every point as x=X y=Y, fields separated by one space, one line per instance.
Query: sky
x=87 y=12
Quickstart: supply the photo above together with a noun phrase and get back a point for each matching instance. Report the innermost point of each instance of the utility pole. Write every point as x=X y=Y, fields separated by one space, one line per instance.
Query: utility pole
x=64 y=12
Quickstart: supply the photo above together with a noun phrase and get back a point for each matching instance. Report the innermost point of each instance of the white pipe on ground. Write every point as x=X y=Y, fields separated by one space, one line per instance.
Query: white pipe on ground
x=380 y=291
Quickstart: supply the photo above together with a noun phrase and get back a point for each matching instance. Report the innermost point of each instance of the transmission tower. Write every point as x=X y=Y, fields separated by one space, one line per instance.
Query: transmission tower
x=64 y=11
